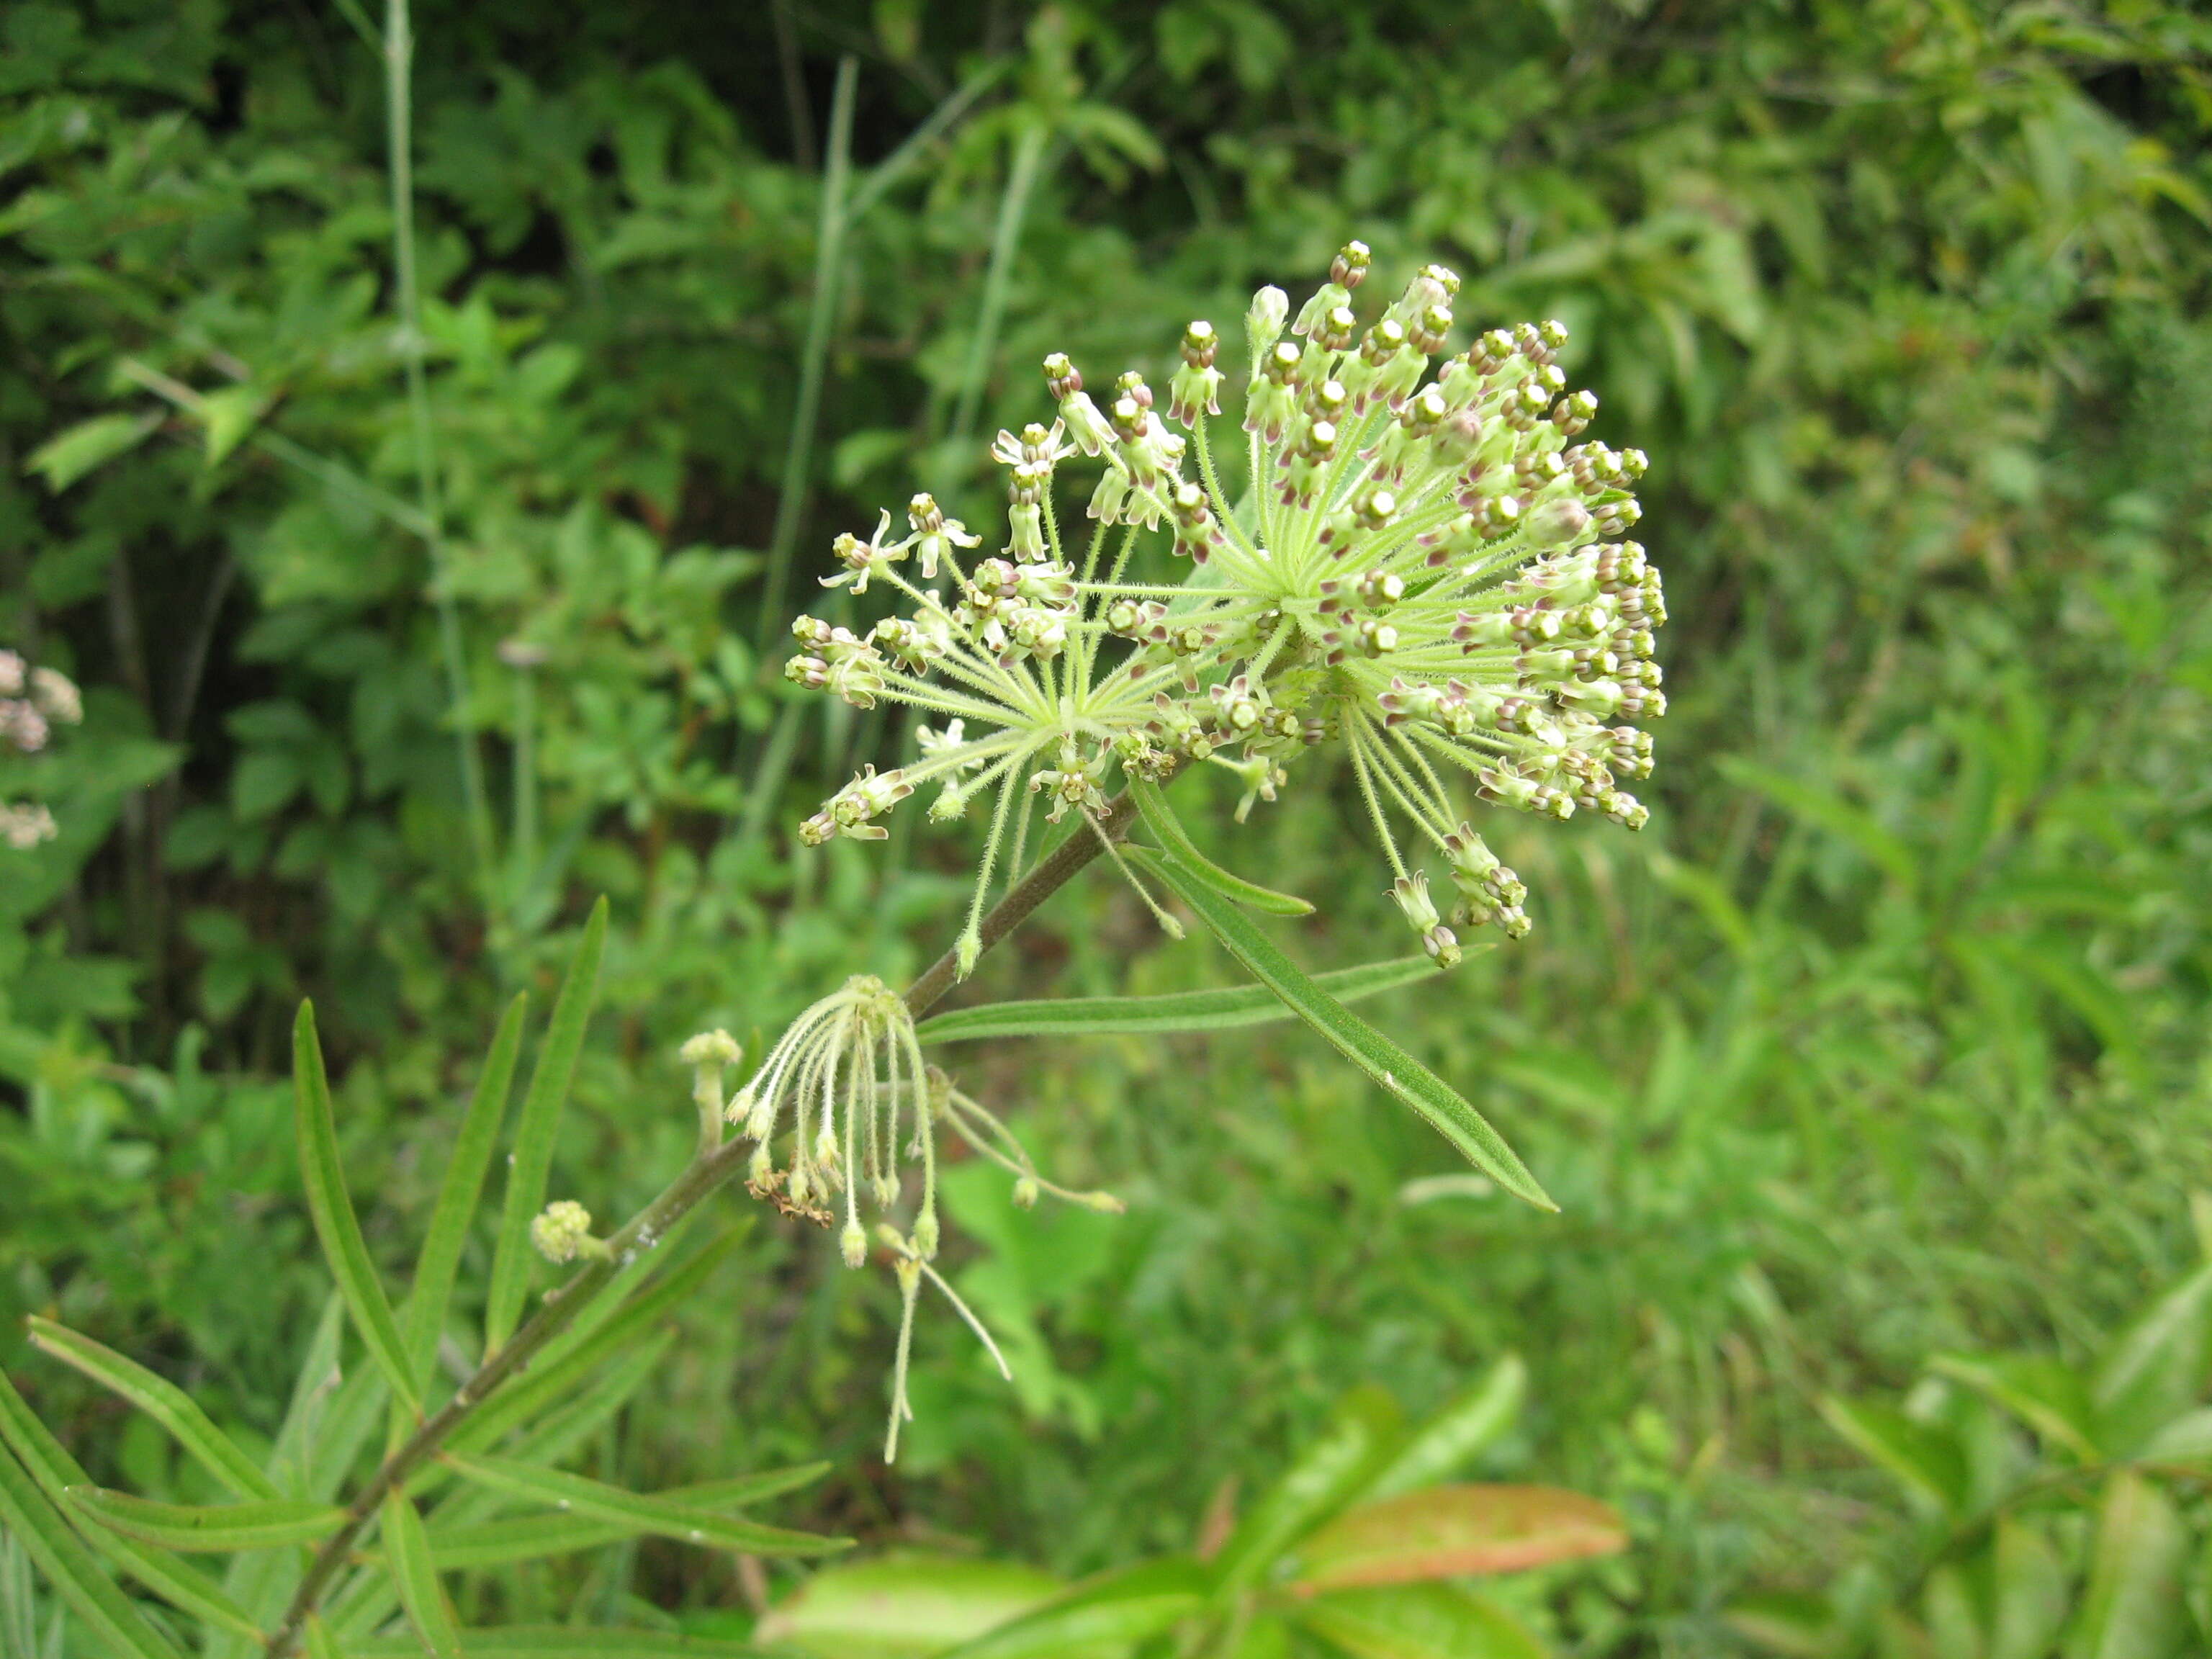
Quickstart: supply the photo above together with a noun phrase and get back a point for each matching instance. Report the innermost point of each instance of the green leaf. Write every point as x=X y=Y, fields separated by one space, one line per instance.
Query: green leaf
x=658 y=1516
x=903 y=1607
x=1174 y=1011
x=2030 y=1592
x=1444 y=1532
x=50 y=1466
x=1443 y=1446
x=529 y=1537
x=2186 y=1440
x=1418 y=1621
x=291 y=1463
x=1927 y=1460
x=230 y=416
x=2153 y=1369
x=407 y=1552
x=1175 y=843
x=457 y=1194
x=532 y=1157
x=1789 y=1622
x=2041 y=1391
x=2132 y=1606
x=160 y=1399
x=1127 y=1606
x=343 y=1246
x=559 y=1642
x=56 y=1551
x=209 y=1528
x=68 y=456
x=1399 y=1072
x=1848 y=823
x=1360 y=1435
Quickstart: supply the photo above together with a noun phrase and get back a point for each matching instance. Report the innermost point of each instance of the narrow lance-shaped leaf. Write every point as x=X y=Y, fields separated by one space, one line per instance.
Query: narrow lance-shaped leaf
x=559 y=1642
x=54 y=1471
x=1404 y=1077
x=1442 y=1532
x=654 y=1514
x=1114 y=1610
x=1159 y=817
x=208 y=1529
x=528 y=1537
x=1222 y=1010
x=533 y=1157
x=407 y=1551
x=1316 y=1484
x=160 y=1399
x=69 y=1566
x=1442 y=1446
x=335 y=1223
x=458 y=1193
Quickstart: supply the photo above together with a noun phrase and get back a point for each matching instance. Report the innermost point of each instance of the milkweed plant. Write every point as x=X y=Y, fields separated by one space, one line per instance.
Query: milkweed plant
x=1423 y=571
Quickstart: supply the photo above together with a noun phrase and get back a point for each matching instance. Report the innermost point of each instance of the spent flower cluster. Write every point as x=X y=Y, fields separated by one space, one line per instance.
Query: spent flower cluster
x=1427 y=570
x=33 y=701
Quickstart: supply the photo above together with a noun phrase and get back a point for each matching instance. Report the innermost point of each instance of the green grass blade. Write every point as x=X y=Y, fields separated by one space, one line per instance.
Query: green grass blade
x=532 y=1537
x=160 y=1399
x=1223 y=1009
x=1159 y=817
x=56 y=1551
x=54 y=1471
x=1401 y=1075
x=407 y=1551
x=533 y=1157
x=204 y=1529
x=459 y=1195
x=660 y=1515
x=336 y=1224
x=559 y=1642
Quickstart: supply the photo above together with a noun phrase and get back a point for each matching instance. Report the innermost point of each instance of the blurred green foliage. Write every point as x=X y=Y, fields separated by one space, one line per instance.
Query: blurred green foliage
x=1886 y=1039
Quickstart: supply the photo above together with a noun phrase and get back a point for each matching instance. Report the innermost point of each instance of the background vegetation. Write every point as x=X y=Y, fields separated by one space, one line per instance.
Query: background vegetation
x=1885 y=1043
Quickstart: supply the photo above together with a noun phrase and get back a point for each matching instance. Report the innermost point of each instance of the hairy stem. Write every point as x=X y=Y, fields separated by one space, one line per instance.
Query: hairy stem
x=708 y=1171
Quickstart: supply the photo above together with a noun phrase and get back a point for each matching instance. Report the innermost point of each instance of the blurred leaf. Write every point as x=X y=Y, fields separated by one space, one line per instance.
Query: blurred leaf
x=1446 y=1532
x=230 y=416
x=2043 y=1392
x=1925 y=1458
x=1466 y=1424
x=2029 y=1584
x=1418 y=1621
x=560 y=1642
x=902 y=1606
x=660 y=1515
x=1117 y=1608
x=68 y=456
x=2157 y=1367
x=2132 y=1608
x=1359 y=1436
x=1795 y=1626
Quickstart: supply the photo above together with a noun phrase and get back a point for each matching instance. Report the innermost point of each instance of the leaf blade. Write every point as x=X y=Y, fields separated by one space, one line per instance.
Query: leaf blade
x=534 y=1132
x=1403 y=1077
x=460 y=1193
x=407 y=1552
x=1129 y=1605
x=655 y=1514
x=69 y=1566
x=213 y=1529
x=160 y=1399
x=1227 y=1009
x=1444 y=1532
x=336 y=1224
x=1159 y=817
x=532 y=1537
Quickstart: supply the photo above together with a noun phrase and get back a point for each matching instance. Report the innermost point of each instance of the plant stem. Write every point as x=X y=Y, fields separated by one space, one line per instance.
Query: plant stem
x=710 y=1169
x=1005 y=241
x=399 y=102
x=814 y=355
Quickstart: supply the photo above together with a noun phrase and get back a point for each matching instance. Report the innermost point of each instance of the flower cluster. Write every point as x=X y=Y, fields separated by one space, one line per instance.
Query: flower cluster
x=1426 y=570
x=33 y=701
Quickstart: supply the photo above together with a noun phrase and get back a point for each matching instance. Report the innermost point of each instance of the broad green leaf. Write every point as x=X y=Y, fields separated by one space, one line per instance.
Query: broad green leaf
x=209 y=1528
x=1418 y=1621
x=1927 y=1460
x=1949 y=1611
x=528 y=1537
x=533 y=1157
x=660 y=1515
x=407 y=1553
x=59 y=1554
x=2132 y=1606
x=2155 y=1368
x=1126 y=1606
x=903 y=1607
x=50 y=1466
x=1445 y=1532
x=68 y=456
x=335 y=1223
x=1174 y=1011
x=2029 y=1584
x=1361 y=1433
x=458 y=1193
x=2041 y=1392
x=2186 y=1440
x=1441 y=1446
x=230 y=416
x=1175 y=843
x=1399 y=1072
x=160 y=1399
x=559 y=1642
